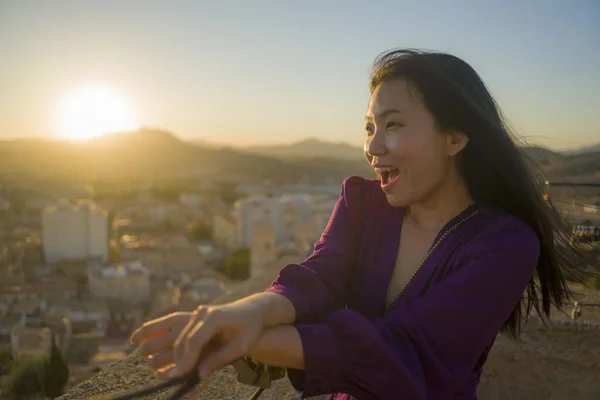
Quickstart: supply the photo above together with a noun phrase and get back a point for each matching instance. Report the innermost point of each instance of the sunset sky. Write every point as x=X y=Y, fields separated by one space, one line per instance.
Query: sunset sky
x=256 y=72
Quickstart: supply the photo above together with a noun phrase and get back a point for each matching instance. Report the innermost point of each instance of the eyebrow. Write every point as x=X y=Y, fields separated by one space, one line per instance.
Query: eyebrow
x=383 y=114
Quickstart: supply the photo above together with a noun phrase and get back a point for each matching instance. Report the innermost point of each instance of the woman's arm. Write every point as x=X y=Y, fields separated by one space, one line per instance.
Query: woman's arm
x=432 y=341
x=318 y=285
x=310 y=290
x=280 y=346
x=302 y=293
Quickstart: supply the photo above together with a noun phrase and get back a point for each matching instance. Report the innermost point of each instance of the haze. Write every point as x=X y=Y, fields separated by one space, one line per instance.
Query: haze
x=248 y=73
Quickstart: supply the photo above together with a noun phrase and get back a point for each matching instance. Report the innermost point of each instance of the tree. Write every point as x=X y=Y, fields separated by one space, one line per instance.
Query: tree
x=169 y=226
x=228 y=193
x=80 y=351
x=25 y=378
x=6 y=361
x=55 y=372
x=237 y=265
x=200 y=231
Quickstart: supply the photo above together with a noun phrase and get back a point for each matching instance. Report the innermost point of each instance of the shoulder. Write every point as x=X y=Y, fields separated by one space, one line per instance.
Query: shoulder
x=356 y=189
x=358 y=183
x=508 y=235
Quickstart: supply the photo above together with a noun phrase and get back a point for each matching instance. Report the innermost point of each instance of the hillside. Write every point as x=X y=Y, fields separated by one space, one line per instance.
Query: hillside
x=581 y=150
x=583 y=164
x=156 y=154
x=310 y=148
x=150 y=153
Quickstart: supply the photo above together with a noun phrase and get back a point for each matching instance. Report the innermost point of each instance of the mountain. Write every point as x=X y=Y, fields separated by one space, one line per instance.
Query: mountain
x=582 y=164
x=581 y=150
x=152 y=153
x=310 y=148
x=158 y=154
x=559 y=166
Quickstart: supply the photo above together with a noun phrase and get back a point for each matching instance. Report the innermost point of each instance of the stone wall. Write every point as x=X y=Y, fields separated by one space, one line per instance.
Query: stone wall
x=554 y=362
x=561 y=361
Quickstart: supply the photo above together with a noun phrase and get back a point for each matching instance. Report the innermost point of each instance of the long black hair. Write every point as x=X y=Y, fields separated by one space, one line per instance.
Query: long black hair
x=496 y=171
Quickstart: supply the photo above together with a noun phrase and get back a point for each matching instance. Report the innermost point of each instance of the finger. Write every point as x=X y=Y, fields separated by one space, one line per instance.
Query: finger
x=222 y=357
x=160 y=360
x=164 y=342
x=194 y=344
x=192 y=394
x=165 y=372
x=157 y=326
x=179 y=346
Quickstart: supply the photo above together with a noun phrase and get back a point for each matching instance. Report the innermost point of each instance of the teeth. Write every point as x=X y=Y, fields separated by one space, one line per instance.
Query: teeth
x=387 y=173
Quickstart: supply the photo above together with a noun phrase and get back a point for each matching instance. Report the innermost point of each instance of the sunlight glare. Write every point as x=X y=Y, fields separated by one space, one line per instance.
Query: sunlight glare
x=93 y=111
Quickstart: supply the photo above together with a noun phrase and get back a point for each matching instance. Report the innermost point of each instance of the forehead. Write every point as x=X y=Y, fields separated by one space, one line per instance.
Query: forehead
x=395 y=94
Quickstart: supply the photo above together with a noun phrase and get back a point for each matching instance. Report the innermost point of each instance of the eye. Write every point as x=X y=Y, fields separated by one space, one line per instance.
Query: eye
x=369 y=129
x=392 y=125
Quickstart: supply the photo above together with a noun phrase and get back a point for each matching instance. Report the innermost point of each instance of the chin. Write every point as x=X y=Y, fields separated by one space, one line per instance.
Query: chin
x=398 y=200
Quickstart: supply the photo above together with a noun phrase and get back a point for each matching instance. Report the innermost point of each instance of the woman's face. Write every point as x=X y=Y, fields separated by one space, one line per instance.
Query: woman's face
x=409 y=154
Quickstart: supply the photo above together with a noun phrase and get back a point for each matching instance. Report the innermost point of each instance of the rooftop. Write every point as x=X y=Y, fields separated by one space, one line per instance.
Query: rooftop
x=61 y=285
x=122 y=270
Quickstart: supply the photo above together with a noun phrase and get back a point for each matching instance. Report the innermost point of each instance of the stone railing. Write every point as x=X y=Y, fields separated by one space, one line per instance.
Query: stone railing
x=559 y=360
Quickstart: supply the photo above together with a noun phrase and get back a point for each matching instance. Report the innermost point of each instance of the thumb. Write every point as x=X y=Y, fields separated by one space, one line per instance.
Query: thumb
x=233 y=350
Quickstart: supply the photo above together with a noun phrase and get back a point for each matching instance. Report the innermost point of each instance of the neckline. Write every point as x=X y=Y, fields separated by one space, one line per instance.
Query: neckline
x=392 y=243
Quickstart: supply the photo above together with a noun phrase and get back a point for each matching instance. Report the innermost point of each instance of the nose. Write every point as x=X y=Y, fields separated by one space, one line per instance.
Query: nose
x=375 y=145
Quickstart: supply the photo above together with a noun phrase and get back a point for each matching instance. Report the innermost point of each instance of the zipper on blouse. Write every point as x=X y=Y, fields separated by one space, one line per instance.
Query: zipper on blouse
x=429 y=253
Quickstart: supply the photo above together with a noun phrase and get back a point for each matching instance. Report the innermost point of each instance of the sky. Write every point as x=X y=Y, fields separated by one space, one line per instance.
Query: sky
x=259 y=72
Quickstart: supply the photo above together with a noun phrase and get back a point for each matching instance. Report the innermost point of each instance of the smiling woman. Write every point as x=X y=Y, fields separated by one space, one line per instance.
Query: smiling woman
x=93 y=111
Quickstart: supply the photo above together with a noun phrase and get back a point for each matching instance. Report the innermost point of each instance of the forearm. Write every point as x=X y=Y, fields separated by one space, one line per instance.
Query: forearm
x=274 y=308
x=280 y=346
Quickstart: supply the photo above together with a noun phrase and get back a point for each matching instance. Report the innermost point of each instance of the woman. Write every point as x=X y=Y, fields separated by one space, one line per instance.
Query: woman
x=416 y=273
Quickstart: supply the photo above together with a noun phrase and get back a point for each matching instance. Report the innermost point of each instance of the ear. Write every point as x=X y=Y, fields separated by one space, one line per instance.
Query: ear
x=456 y=142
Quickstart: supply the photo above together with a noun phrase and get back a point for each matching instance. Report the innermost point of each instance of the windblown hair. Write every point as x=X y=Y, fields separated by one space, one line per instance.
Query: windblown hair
x=497 y=172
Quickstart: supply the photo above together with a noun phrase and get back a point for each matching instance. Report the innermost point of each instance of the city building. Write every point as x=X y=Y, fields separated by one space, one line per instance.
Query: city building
x=249 y=212
x=305 y=234
x=129 y=282
x=264 y=246
x=74 y=232
x=191 y=201
x=225 y=231
x=284 y=214
x=4 y=205
x=63 y=289
x=203 y=291
x=162 y=255
x=30 y=342
x=246 y=212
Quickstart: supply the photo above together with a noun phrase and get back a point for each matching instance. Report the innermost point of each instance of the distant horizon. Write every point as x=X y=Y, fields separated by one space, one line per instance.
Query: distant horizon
x=200 y=140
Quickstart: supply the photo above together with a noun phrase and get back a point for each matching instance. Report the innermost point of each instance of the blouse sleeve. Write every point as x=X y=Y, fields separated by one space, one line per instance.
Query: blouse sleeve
x=435 y=340
x=317 y=286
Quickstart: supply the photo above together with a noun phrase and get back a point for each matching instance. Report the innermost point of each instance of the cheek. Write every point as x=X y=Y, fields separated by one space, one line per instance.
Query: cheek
x=421 y=165
x=402 y=147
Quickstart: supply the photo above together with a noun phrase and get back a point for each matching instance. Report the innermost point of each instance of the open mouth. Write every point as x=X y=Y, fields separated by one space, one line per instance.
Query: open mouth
x=387 y=175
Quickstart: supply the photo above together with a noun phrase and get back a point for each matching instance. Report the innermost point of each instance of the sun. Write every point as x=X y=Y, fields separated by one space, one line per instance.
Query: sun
x=94 y=110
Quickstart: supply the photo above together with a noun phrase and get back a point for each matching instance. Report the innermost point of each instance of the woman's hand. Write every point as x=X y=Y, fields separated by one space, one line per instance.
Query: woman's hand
x=216 y=336
x=156 y=338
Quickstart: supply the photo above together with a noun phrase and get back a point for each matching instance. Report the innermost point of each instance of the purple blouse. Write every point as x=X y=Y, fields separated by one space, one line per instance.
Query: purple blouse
x=434 y=340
